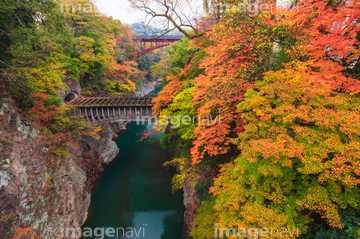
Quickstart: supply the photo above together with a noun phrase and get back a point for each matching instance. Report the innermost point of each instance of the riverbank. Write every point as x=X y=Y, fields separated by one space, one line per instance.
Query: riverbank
x=149 y=86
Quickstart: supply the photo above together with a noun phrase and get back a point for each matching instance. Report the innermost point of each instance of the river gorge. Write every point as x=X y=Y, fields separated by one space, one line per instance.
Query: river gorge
x=133 y=188
x=134 y=192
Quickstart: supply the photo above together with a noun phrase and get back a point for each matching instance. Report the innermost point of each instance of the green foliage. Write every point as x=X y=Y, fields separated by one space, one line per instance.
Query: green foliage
x=20 y=88
x=179 y=56
x=44 y=42
x=206 y=218
x=147 y=61
x=320 y=229
x=280 y=58
x=167 y=141
x=202 y=190
x=37 y=41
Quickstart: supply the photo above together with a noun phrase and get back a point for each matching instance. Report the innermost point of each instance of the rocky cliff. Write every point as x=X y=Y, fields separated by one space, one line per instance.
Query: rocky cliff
x=148 y=86
x=191 y=204
x=39 y=193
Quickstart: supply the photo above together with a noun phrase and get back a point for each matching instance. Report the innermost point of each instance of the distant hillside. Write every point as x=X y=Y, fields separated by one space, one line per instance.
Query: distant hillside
x=141 y=28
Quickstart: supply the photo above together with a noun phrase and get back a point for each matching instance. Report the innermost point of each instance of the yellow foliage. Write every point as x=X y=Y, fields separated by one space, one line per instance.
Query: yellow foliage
x=187 y=173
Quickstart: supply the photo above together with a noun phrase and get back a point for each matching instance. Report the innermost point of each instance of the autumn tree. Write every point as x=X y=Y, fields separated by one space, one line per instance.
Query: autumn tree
x=287 y=146
x=37 y=41
x=181 y=15
x=102 y=49
x=298 y=157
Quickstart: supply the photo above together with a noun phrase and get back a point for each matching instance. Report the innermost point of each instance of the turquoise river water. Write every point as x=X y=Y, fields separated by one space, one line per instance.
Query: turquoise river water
x=133 y=195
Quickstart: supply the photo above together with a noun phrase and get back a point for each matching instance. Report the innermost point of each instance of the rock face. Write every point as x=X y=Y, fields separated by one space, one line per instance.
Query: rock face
x=148 y=86
x=105 y=147
x=191 y=204
x=38 y=192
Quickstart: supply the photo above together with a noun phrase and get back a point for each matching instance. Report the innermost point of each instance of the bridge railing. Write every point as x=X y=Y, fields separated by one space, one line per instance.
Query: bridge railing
x=116 y=96
x=165 y=37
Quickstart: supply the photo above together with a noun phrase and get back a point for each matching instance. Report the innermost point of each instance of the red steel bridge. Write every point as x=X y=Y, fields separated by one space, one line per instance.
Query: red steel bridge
x=155 y=43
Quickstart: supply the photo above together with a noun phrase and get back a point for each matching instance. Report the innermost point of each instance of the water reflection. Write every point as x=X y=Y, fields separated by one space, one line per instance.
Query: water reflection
x=135 y=190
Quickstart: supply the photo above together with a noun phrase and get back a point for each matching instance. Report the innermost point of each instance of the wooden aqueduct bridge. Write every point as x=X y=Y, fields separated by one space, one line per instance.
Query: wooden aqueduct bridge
x=100 y=110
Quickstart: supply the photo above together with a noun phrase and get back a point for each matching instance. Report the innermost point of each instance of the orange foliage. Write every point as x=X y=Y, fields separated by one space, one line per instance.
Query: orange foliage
x=25 y=233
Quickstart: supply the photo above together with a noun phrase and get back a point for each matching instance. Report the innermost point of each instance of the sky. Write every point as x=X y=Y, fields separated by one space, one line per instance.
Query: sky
x=120 y=9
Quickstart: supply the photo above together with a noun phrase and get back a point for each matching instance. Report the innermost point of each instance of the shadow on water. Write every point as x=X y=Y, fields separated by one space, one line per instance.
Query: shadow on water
x=135 y=190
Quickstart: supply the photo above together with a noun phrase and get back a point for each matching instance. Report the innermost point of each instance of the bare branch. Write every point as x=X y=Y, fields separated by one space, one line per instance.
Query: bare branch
x=176 y=14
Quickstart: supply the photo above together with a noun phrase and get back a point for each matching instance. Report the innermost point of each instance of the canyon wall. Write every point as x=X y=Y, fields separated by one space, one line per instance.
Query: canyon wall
x=191 y=204
x=38 y=192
